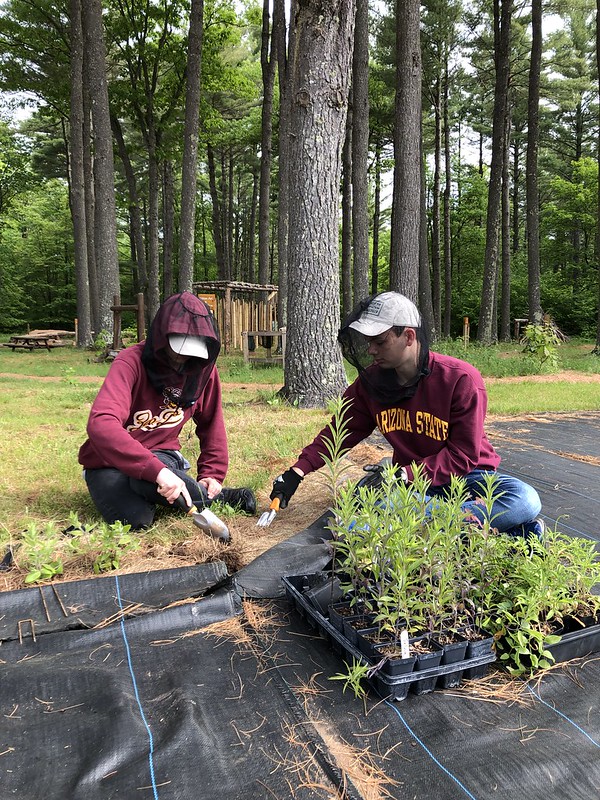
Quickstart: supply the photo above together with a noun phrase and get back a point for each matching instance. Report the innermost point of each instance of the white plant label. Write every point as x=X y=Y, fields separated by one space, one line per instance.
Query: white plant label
x=404 y=647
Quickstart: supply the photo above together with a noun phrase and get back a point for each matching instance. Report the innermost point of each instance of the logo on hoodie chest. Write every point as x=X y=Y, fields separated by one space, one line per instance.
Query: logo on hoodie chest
x=169 y=416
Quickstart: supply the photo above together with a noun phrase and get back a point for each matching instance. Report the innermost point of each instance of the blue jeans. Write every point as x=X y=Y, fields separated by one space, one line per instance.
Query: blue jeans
x=513 y=513
x=133 y=501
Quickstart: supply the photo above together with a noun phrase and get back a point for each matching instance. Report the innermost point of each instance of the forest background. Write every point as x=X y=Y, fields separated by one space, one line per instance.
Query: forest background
x=460 y=164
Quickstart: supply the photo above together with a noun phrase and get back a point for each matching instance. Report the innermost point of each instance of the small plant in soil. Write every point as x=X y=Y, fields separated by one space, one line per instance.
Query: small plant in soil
x=420 y=564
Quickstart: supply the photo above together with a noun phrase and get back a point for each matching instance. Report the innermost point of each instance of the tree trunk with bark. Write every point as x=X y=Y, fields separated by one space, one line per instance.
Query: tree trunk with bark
x=506 y=249
x=168 y=233
x=285 y=53
x=406 y=209
x=268 y=62
x=187 y=224
x=346 y=233
x=314 y=371
x=376 y=219
x=105 y=223
x=77 y=182
x=531 y=169
x=360 y=152
x=486 y=331
x=135 y=214
x=217 y=213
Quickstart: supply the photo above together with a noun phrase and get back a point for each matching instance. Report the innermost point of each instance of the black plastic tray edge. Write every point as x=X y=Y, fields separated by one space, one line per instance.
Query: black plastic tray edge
x=411 y=677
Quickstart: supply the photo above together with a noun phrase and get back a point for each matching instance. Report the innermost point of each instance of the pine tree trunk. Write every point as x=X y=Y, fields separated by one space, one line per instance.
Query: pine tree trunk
x=268 y=62
x=406 y=209
x=77 y=182
x=376 y=218
x=217 y=213
x=168 y=235
x=346 y=234
x=134 y=207
x=532 y=195
x=284 y=71
x=360 y=152
x=187 y=225
x=105 y=222
x=324 y=31
x=505 y=216
x=447 y=324
x=486 y=331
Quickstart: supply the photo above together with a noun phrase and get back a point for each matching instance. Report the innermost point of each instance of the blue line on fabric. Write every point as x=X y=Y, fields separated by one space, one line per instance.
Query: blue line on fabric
x=137 y=696
x=428 y=751
x=564 y=716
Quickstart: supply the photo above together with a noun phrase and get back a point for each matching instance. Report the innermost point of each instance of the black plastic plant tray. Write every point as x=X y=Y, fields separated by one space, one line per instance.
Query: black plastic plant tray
x=576 y=644
x=392 y=688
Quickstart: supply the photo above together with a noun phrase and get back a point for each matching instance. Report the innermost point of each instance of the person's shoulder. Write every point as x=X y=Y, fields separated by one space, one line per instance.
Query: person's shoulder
x=455 y=366
x=130 y=357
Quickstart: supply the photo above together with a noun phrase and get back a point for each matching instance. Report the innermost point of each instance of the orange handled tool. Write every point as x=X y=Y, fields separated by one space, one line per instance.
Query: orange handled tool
x=267 y=517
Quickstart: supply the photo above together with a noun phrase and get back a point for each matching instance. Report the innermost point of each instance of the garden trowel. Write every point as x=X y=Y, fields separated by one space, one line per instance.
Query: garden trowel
x=208 y=522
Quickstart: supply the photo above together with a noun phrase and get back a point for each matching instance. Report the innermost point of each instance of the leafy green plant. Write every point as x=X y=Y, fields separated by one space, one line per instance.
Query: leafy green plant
x=540 y=342
x=353 y=678
x=333 y=443
x=420 y=563
x=38 y=553
x=111 y=542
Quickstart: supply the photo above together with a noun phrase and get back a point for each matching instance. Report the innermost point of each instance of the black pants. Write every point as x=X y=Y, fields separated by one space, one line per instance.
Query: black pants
x=133 y=501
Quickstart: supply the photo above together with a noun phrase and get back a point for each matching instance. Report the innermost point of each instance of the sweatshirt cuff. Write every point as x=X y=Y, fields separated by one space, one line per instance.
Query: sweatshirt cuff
x=151 y=470
x=304 y=465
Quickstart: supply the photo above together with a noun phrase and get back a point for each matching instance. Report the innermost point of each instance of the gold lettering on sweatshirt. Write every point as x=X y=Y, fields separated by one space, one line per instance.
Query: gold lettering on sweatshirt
x=424 y=423
x=147 y=421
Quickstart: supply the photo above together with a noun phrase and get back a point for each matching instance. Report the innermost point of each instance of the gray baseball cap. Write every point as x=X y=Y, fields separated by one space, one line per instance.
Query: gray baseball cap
x=384 y=312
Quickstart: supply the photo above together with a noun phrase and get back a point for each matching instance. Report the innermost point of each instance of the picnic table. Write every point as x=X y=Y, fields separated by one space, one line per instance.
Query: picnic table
x=36 y=340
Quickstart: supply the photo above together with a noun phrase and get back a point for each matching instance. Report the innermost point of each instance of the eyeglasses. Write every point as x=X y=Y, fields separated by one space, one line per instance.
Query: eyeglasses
x=380 y=340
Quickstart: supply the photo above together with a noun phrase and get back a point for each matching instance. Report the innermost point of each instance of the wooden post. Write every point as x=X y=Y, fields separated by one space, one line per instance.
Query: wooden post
x=227 y=332
x=141 y=317
x=116 y=322
x=466 y=331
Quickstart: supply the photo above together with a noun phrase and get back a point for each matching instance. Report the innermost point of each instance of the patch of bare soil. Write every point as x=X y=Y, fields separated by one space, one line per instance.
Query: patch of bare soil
x=566 y=376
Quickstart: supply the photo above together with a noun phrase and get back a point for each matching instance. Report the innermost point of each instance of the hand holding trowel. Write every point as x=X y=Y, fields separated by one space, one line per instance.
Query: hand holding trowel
x=208 y=522
x=284 y=487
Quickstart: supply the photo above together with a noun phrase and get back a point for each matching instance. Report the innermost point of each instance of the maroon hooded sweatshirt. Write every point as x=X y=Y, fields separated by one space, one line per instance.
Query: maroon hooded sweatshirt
x=144 y=401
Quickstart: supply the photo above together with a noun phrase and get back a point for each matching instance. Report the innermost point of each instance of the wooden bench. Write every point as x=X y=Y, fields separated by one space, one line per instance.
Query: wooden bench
x=263 y=339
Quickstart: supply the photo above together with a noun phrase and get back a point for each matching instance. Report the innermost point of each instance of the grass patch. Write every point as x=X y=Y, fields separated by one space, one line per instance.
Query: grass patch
x=529 y=397
x=46 y=397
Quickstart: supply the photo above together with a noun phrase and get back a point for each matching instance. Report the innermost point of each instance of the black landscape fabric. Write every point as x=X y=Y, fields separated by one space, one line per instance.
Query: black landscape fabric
x=185 y=684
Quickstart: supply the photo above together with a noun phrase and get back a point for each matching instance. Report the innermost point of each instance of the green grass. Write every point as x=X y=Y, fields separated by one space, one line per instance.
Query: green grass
x=529 y=397
x=43 y=423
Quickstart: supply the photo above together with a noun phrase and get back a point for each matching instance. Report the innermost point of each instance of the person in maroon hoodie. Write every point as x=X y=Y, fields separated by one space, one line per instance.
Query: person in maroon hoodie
x=132 y=458
x=430 y=407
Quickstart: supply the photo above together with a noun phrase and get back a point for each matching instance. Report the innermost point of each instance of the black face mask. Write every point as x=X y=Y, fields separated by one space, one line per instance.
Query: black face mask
x=381 y=384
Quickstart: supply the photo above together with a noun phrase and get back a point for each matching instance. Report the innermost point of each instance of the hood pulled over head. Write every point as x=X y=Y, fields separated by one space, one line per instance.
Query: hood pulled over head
x=183 y=325
x=372 y=317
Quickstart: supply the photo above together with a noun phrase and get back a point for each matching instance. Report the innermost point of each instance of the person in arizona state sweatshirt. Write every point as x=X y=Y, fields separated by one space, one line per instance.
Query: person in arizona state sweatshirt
x=430 y=407
x=132 y=458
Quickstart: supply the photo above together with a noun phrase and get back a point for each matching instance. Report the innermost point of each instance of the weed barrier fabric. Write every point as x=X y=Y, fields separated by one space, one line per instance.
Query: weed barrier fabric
x=455 y=744
x=558 y=454
x=151 y=705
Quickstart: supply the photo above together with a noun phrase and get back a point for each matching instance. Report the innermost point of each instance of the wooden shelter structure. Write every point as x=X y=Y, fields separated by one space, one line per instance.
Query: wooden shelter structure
x=239 y=307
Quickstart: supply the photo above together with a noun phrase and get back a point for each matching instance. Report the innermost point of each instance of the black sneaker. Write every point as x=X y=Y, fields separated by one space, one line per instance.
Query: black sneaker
x=240 y=499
